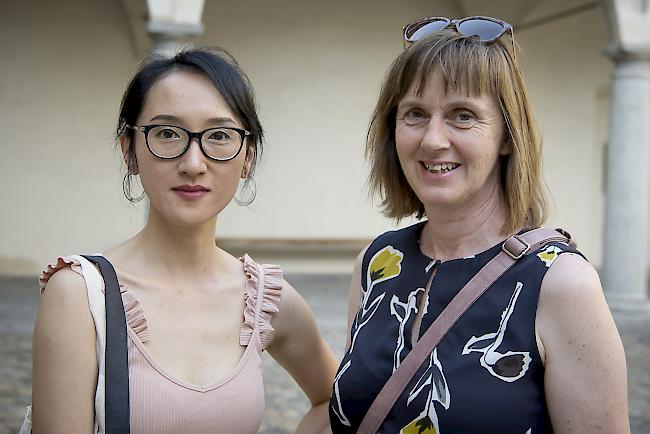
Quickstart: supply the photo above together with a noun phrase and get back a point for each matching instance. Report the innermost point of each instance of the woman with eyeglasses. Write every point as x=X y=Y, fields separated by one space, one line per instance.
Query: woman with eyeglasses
x=452 y=140
x=197 y=318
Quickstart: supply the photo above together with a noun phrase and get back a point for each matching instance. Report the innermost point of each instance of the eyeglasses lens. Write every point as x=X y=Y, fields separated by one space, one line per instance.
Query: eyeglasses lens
x=167 y=142
x=421 y=30
x=170 y=142
x=486 y=30
x=221 y=143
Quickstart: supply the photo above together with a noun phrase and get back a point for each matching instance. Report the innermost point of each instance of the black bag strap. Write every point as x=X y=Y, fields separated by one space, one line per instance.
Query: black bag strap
x=116 y=377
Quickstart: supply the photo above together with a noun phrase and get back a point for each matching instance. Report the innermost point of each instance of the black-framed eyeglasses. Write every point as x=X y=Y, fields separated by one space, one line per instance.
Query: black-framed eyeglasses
x=169 y=141
x=487 y=29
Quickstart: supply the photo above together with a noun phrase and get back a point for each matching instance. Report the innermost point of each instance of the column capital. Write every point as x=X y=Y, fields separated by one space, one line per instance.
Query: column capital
x=178 y=30
x=168 y=37
x=628 y=22
x=631 y=67
x=618 y=54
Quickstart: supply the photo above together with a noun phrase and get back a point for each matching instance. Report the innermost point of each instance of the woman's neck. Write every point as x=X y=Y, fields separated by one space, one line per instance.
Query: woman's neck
x=465 y=231
x=173 y=252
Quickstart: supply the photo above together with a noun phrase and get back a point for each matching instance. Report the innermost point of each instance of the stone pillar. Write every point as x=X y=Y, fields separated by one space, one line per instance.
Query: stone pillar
x=626 y=252
x=168 y=38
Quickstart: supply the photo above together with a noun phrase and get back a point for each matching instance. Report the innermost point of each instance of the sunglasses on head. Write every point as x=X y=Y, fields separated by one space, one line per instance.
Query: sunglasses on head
x=487 y=29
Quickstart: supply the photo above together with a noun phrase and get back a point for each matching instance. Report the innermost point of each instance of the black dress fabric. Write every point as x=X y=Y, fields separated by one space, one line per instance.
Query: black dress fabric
x=485 y=376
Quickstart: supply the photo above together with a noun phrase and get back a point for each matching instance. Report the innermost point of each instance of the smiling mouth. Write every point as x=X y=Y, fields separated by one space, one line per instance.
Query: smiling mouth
x=440 y=167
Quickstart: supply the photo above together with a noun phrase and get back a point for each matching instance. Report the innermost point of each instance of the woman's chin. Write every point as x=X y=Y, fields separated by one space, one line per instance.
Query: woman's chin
x=183 y=218
x=440 y=200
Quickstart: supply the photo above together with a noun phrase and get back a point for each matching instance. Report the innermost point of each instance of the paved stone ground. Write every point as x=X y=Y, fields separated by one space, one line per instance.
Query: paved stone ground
x=285 y=402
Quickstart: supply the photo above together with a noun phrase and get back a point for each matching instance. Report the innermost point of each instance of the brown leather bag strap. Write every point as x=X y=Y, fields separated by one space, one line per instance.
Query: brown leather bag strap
x=512 y=249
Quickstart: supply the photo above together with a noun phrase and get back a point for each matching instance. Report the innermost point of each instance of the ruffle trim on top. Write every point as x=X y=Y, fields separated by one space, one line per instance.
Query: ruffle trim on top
x=134 y=314
x=132 y=307
x=273 y=283
x=61 y=262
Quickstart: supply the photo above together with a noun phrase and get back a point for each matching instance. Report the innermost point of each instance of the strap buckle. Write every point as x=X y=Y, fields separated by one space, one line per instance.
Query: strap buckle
x=569 y=240
x=515 y=247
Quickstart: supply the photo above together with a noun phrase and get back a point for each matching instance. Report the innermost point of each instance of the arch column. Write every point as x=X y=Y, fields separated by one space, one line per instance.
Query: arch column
x=626 y=255
x=627 y=212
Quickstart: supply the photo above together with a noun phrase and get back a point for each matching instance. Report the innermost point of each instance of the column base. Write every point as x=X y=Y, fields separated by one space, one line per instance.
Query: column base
x=628 y=307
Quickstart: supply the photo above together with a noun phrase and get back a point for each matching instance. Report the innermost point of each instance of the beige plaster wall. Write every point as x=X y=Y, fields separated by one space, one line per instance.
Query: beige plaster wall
x=569 y=79
x=316 y=68
x=62 y=70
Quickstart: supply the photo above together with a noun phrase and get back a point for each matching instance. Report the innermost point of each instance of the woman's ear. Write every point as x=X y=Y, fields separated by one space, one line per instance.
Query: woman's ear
x=248 y=163
x=506 y=146
x=129 y=155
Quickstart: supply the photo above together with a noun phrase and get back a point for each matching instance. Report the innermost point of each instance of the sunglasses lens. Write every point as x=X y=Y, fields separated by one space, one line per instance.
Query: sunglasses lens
x=422 y=29
x=486 y=30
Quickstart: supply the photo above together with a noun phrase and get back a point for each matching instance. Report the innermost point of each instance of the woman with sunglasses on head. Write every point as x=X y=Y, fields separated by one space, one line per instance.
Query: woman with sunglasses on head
x=528 y=344
x=197 y=318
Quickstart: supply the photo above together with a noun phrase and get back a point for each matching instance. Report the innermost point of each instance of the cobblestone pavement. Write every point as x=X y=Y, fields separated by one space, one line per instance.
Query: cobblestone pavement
x=285 y=402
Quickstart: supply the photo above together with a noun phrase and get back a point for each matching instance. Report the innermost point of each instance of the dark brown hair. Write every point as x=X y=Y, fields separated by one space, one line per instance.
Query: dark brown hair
x=221 y=69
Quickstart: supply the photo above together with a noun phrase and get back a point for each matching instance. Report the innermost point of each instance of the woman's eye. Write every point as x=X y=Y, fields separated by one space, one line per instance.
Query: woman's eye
x=220 y=136
x=168 y=134
x=464 y=118
x=413 y=117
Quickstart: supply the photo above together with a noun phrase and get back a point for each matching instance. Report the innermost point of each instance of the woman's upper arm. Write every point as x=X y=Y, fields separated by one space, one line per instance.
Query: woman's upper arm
x=298 y=346
x=585 y=378
x=64 y=358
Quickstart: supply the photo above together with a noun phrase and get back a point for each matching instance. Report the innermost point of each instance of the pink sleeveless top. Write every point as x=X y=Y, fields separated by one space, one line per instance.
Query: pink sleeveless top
x=162 y=404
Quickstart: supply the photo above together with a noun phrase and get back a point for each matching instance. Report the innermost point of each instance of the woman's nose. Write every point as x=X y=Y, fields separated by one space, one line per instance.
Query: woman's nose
x=436 y=135
x=193 y=162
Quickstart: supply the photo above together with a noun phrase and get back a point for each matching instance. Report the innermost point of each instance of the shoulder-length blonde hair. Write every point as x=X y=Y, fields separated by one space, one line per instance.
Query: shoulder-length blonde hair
x=474 y=67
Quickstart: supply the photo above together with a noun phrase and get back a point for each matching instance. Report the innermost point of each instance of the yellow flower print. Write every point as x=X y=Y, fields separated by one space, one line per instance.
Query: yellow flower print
x=386 y=264
x=434 y=383
x=549 y=255
x=421 y=425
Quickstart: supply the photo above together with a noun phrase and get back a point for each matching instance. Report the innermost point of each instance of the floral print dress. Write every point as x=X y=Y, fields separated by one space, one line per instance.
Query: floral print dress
x=485 y=376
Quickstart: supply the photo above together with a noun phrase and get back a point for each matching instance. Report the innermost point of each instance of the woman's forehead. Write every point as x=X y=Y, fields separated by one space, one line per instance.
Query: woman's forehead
x=472 y=69
x=185 y=94
x=183 y=86
x=436 y=86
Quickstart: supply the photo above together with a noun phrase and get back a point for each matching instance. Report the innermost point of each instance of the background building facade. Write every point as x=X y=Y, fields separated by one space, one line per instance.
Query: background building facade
x=316 y=68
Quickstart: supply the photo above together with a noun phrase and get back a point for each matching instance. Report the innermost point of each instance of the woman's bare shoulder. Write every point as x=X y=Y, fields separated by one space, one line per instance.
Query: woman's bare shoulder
x=64 y=285
x=585 y=361
x=64 y=356
x=569 y=279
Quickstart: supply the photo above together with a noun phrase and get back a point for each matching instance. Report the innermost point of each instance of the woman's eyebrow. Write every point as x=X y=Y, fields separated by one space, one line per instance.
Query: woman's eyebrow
x=171 y=118
x=407 y=102
x=221 y=120
x=468 y=103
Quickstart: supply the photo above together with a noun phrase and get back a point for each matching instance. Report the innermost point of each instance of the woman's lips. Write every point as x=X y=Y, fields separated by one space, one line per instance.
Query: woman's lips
x=191 y=192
